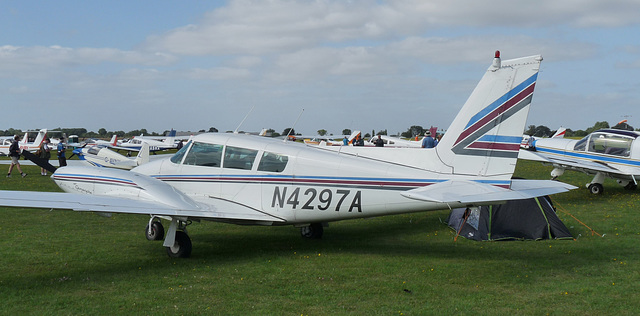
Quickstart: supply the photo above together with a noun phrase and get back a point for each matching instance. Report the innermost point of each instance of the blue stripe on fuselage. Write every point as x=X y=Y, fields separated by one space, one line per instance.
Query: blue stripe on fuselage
x=621 y=161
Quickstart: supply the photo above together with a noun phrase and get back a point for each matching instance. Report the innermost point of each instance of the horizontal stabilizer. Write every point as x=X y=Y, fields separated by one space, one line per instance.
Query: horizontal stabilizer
x=471 y=192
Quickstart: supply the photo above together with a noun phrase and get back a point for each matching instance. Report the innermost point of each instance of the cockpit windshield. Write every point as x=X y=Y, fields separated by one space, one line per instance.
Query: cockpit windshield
x=177 y=157
x=204 y=154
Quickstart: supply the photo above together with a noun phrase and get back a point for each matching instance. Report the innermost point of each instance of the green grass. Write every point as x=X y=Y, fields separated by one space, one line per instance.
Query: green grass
x=63 y=262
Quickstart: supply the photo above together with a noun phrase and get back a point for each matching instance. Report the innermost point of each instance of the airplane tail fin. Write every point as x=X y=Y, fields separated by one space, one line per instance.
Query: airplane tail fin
x=42 y=134
x=114 y=140
x=560 y=133
x=143 y=154
x=484 y=138
x=171 y=138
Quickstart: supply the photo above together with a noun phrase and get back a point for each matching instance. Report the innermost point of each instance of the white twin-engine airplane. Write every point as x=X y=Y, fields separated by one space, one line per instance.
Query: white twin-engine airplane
x=244 y=179
x=605 y=153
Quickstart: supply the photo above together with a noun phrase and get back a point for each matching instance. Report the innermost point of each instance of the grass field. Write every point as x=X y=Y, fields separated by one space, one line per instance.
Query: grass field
x=63 y=262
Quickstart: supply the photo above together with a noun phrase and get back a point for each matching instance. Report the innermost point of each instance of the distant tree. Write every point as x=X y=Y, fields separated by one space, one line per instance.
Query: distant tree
x=597 y=126
x=382 y=132
x=413 y=131
x=202 y=131
x=286 y=131
x=213 y=130
x=580 y=133
x=542 y=131
x=367 y=135
x=322 y=132
x=346 y=131
x=119 y=133
x=531 y=129
x=102 y=132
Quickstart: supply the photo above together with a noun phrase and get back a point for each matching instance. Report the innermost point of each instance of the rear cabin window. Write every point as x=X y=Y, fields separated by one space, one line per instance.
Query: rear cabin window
x=204 y=154
x=239 y=158
x=608 y=144
x=271 y=162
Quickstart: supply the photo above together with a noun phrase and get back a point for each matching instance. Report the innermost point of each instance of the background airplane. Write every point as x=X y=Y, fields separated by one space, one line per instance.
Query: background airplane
x=104 y=157
x=24 y=142
x=252 y=180
x=605 y=153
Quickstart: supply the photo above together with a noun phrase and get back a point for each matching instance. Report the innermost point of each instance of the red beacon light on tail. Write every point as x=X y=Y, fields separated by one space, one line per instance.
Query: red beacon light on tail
x=496 y=62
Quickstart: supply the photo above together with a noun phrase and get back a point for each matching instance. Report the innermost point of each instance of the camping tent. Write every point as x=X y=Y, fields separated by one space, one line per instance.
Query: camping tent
x=528 y=219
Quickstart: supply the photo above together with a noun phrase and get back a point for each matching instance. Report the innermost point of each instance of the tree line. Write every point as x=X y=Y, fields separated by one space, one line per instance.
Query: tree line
x=411 y=132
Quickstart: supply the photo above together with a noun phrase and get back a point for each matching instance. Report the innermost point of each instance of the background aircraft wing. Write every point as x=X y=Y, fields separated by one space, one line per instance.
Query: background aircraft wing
x=215 y=209
x=472 y=192
x=568 y=163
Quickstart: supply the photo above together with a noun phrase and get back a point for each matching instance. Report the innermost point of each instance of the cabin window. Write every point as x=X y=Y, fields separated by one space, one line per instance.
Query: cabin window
x=608 y=144
x=204 y=154
x=94 y=150
x=239 y=158
x=272 y=162
x=177 y=157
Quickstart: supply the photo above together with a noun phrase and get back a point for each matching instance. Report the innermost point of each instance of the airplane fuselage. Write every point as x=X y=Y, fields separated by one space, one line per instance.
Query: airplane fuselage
x=295 y=182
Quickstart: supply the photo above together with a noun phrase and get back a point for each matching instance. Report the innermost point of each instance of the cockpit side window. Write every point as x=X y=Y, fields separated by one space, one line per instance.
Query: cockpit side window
x=204 y=154
x=177 y=157
x=610 y=144
x=581 y=145
x=239 y=158
x=272 y=162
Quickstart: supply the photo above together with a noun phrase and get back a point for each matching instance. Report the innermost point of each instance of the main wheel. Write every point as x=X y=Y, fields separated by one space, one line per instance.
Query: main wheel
x=156 y=232
x=596 y=188
x=181 y=247
x=313 y=231
x=631 y=186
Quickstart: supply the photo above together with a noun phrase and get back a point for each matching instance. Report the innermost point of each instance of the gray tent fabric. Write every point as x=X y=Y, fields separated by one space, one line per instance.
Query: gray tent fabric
x=528 y=219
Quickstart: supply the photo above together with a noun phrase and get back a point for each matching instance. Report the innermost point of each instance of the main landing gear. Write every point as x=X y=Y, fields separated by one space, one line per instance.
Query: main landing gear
x=595 y=187
x=177 y=241
x=313 y=231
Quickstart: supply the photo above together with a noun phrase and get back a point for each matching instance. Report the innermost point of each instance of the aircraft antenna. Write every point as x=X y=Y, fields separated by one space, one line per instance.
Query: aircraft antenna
x=294 y=125
x=245 y=117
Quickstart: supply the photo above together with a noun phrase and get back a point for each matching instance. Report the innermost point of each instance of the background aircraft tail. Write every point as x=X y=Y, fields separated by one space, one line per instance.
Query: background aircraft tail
x=484 y=138
x=171 y=138
x=42 y=134
x=143 y=154
x=114 y=140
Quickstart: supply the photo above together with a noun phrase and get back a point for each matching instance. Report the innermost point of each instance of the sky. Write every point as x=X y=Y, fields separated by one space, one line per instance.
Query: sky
x=332 y=65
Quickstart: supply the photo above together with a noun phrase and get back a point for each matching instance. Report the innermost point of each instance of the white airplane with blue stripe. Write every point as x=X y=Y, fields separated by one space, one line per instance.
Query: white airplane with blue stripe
x=604 y=153
x=252 y=180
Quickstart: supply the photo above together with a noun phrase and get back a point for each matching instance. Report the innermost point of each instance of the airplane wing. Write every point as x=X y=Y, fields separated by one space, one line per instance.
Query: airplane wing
x=215 y=209
x=582 y=165
x=472 y=192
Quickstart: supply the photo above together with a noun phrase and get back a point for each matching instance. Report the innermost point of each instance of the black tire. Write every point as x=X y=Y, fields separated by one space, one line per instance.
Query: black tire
x=156 y=232
x=313 y=231
x=631 y=186
x=596 y=188
x=182 y=246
